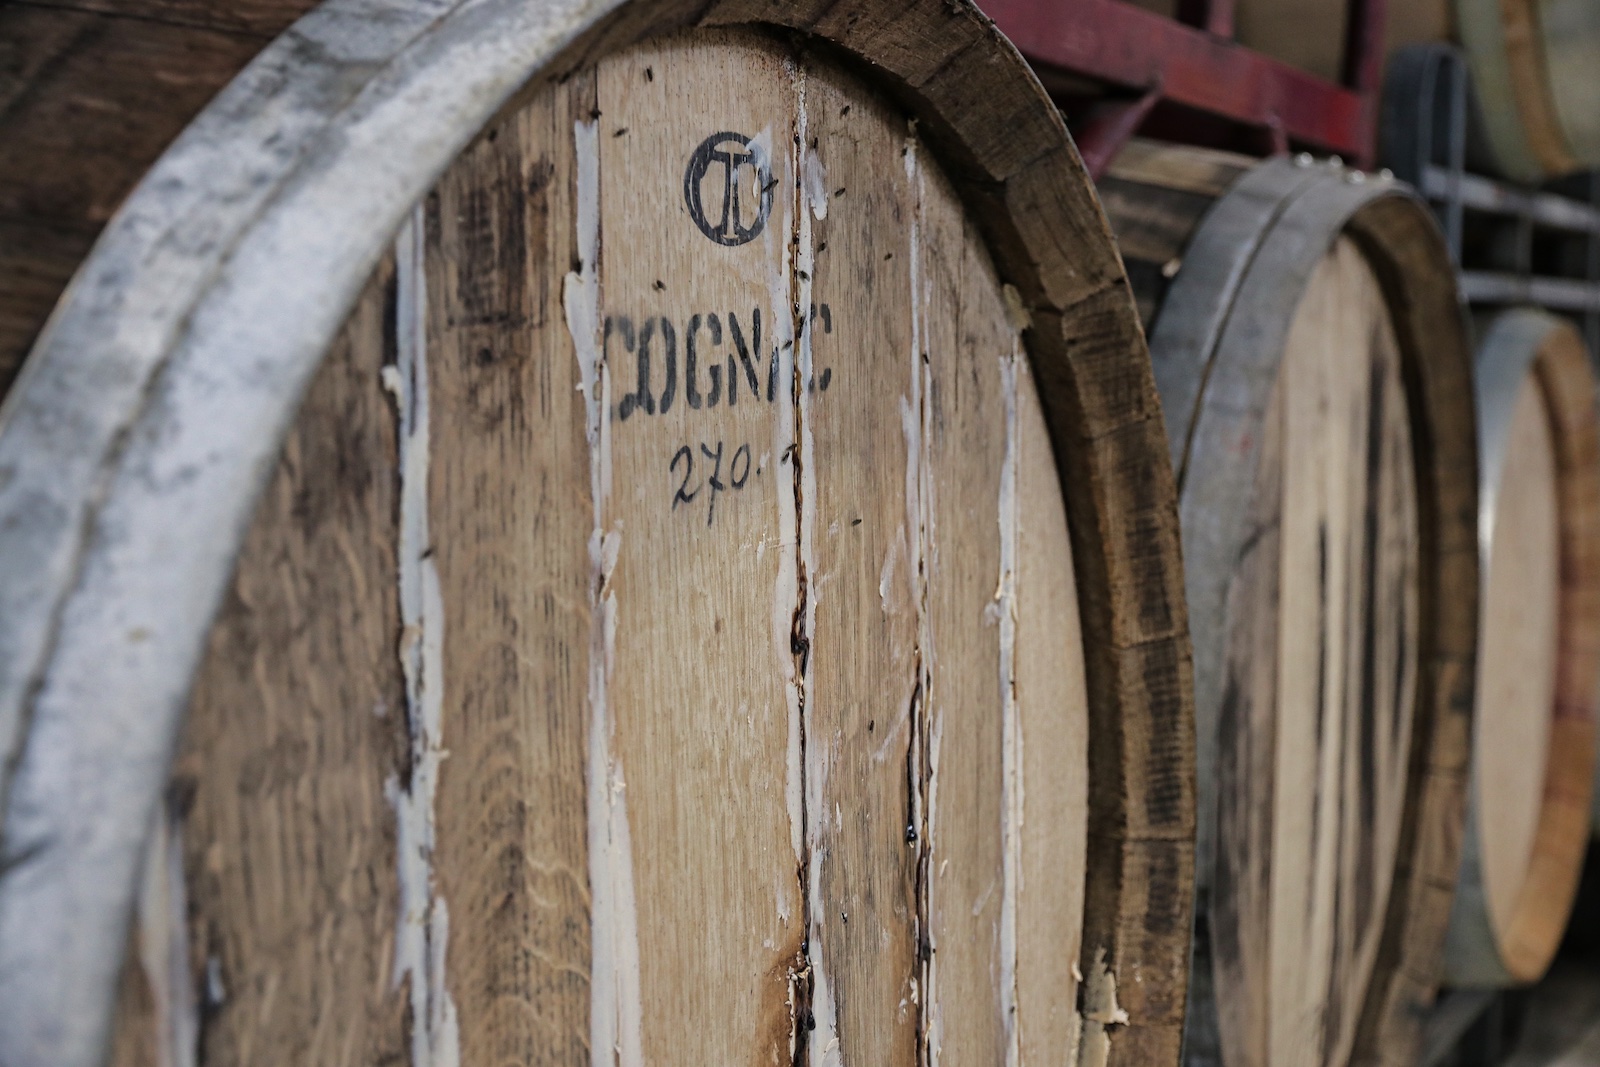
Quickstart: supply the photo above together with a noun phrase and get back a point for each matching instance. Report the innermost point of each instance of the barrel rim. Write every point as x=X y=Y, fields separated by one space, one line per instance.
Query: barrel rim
x=1519 y=343
x=1504 y=46
x=150 y=413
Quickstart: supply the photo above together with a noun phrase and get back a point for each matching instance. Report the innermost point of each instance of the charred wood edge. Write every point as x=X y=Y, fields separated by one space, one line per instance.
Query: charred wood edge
x=1519 y=343
x=1242 y=274
x=151 y=412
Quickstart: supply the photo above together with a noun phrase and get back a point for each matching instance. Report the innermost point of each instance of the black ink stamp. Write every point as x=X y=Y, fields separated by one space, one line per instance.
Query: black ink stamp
x=729 y=167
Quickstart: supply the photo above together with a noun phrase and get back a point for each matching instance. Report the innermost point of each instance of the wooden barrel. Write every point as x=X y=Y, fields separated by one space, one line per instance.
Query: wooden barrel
x=93 y=94
x=1539 y=666
x=1310 y=354
x=1533 y=64
x=588 y=530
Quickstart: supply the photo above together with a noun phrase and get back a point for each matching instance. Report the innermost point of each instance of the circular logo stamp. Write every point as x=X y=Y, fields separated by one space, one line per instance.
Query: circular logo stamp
x=728 y=188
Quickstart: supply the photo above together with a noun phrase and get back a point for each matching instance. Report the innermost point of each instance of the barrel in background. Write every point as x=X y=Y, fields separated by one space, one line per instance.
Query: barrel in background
x=1539 y=659
x=719 y=595
x=1532 y=65
x=1315 y=377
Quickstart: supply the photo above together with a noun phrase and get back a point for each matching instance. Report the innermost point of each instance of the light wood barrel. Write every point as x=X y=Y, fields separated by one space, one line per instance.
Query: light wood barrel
x=1314 y=373
x=1539 y=662
x=594 y=532
x=1533 y=64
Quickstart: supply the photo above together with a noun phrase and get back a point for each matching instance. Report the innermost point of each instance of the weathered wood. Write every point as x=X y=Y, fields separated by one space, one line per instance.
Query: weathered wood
x=1308 y=345
x=88 y=101
x=281 y=852
x=1158 y=199
x=1539 y=672
x=486 y=292
x=93 y=101
x=1316 y=715
x=872 y=743
x=1346 y=605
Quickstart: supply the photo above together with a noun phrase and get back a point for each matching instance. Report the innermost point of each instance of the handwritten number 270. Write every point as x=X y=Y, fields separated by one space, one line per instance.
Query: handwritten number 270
x=738 y=475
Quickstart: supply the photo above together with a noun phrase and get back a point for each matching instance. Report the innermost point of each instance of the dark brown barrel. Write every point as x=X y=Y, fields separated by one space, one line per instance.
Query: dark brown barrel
x=93 y=94
x=1312 y=363
x=1539 y=661
x=598 y=532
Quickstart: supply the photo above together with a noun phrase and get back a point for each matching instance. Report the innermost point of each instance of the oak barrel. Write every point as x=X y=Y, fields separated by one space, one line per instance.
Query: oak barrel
x=1539 y=662
x=587 y=531
x=1311 y=357
x=1533 y=67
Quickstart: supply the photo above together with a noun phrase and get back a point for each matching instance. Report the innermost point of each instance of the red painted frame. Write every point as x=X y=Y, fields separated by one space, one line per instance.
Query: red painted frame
x=1190 y=65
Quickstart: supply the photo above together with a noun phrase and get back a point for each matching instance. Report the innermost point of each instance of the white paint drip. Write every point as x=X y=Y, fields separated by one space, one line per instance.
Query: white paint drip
x=1005 y=600
x=816 y=182
x=164 y=945
x=889 y=589
x=616 y=1013
x=824 y=1042
x=916 y=415
x=423 y=935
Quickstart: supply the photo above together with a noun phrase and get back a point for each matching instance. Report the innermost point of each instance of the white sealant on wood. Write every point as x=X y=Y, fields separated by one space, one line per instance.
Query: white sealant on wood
x=916 y=416
x=1005 y=606
x=1101 y=1012
x=422 y=938
x=164 y=945
x=616 y=1005
x=823 y=1042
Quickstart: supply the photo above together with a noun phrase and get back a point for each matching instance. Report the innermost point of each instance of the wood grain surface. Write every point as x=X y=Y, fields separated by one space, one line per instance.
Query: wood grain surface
x=1317 y=383
x=1310 y=822
x=1517 y=669
x=987 y=164
x=88 y=100
x=728 y=696
x=1534 y=743
x=277 y=941
x=1157 y=198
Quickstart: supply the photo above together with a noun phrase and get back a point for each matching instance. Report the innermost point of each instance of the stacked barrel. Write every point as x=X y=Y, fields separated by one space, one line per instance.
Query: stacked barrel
x=1532 y=63
x=615 y=531
x=1539 y=665
x=1316 y=382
